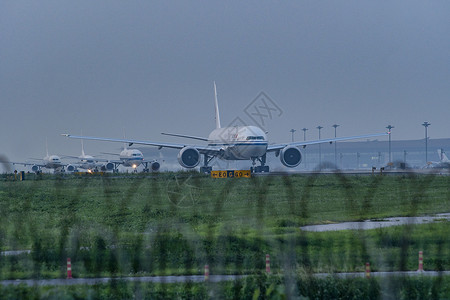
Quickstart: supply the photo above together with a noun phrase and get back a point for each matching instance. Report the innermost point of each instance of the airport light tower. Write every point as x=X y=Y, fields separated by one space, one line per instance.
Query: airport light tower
x=389 y=127
x=426 y=124
x=304 y=139
x=292 y=132
x=304 y=133
x=335 y=145
x=320 y=149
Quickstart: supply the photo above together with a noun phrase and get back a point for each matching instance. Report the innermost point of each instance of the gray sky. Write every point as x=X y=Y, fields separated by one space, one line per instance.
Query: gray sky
x=148 y=66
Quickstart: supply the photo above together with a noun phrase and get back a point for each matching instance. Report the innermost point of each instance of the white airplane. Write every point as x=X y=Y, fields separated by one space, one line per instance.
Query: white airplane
x=131 y=158
x=86 y=162
x=48 y=162
x=442 y=156
x=443 y=163
x=232 y=143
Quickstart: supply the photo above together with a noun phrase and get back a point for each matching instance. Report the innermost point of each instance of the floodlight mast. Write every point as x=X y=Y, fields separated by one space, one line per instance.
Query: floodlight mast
x=426 y=124
x=292 y=132
x=304 y=133
x=389 y=127
x=320 y=149
x=335 y=145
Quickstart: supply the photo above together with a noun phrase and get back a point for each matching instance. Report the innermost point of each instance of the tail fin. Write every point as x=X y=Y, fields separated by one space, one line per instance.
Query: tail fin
x=442 y=156
x=82 y=145
x=82 y=148
x=46 y=146
x=124 y=144
x=217 y=107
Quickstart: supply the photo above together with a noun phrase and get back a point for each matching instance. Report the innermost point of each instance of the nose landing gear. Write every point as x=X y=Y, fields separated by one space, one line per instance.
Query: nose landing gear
x=262 y=168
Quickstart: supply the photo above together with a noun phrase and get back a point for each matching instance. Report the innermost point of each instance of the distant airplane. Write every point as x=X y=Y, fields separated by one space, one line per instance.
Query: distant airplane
x=442 y=156
x=131 y=158
x=48 y=162
x=232 y=143
x=443 y=163
x=86 y=162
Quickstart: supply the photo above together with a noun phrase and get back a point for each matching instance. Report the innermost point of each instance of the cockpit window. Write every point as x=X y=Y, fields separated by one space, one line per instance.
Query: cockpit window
x=253 y=138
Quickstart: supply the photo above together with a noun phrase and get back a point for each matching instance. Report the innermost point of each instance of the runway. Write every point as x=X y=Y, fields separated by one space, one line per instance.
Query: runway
x=201 y=278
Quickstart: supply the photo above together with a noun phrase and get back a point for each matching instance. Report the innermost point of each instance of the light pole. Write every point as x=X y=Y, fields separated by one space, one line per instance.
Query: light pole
x=389 y=127
x=426 y=124
x=320 y=149
x=304 y=133
x=304 y=139
x=292 y=132
x=335 y=145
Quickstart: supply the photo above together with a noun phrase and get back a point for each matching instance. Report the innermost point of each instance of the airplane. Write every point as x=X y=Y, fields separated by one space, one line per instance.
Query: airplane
x=442 y=156
x=131 y=158
x=232 y=143
x=86 y=162
x=48 y=162
x=443 y=163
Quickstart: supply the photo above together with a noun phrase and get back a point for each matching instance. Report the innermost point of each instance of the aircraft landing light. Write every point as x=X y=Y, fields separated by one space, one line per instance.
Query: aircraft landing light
x=231 y=174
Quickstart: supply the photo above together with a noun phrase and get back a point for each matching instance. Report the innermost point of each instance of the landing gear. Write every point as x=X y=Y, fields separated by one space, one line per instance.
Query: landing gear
x=205 y=168
x=262 y=168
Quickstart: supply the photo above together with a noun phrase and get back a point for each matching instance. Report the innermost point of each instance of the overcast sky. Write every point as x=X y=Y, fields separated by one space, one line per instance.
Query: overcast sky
x=148 y=67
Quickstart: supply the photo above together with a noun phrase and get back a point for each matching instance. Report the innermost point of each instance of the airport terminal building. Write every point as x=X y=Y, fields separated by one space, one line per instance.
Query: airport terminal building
x=349 y=155
x=368 y=154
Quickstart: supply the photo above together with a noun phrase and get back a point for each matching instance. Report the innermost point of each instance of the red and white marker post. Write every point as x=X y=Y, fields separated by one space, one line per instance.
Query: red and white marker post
x=420 y=262
x=69 y=269
x=206 y=272
x=267 y=263
x=367 y=270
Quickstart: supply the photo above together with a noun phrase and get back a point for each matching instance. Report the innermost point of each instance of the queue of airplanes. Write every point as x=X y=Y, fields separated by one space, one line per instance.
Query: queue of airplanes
x=132 y=158
x=231 y=143
x=225 y=143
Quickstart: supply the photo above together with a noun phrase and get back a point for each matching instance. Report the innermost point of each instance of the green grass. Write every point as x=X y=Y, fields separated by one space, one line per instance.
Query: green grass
x=176 y=223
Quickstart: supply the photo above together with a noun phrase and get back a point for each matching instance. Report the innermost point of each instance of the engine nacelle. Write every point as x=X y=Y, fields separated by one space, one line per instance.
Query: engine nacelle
x=155 y=166
x=290 y=156
x=189 y=157
x=35 y=168
x=109 y=166
x=70 y=168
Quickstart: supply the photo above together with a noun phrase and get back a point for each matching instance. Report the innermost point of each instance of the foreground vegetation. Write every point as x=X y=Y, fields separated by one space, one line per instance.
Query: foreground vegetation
x=173 y=224
x=254 y=287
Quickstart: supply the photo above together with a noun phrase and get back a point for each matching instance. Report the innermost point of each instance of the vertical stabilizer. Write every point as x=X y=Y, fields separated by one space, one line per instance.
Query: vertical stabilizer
x=124 y=144
x=82 y=149
x=442 y=156
x=46 y=146
x=217 y=107
x=82 y=146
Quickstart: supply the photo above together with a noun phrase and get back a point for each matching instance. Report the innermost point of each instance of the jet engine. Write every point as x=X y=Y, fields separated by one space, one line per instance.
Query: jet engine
x=189 y=157
x=35 y=168
x=109 y=166
x=155 y=166
x=290 y=156
x=70 y=168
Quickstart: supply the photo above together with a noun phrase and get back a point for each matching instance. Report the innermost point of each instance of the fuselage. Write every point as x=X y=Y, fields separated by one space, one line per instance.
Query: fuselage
x=239 y=142
x=87 y=162
x=52 y=162
x=131 y=157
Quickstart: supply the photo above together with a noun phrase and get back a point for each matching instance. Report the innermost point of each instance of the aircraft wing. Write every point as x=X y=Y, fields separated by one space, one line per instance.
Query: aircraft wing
x=277 y=147
x=211 y=150
x=23 y=163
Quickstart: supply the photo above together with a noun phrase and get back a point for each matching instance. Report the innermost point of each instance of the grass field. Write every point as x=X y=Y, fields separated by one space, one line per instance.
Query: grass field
x=173 y=224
